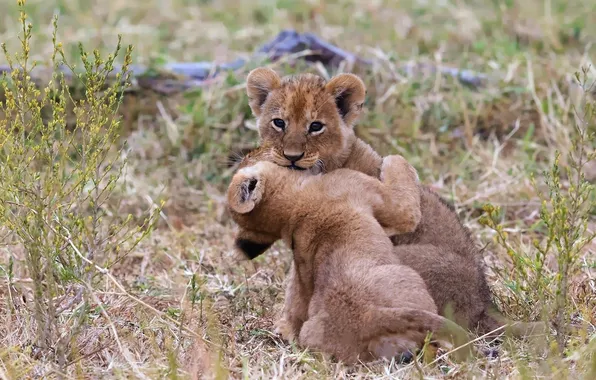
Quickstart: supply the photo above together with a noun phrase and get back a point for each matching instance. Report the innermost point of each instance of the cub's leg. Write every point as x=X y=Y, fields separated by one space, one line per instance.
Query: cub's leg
x=400 y=312
x=400 y=210
x=384 y=333
x=295 y=309
x=401 y=329
x=320 y=334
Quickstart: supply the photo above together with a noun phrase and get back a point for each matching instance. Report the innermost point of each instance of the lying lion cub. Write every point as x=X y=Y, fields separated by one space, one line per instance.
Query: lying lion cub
x=349 y=296
x=308 y=123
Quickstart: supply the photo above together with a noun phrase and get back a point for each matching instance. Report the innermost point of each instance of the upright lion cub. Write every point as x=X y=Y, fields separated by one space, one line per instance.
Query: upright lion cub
x=349 y=295
x=308 y=123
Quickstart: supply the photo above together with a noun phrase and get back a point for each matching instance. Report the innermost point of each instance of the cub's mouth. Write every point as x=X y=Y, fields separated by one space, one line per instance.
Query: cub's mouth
x=306 y=163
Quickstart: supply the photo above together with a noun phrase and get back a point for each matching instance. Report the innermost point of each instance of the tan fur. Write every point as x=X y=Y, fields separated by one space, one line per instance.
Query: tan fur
x=348 y=294
x=271 y=97
x=440 y=249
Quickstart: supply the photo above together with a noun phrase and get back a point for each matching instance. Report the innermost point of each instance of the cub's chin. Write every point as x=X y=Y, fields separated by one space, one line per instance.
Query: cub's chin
x=294 y=167
x=315 y=169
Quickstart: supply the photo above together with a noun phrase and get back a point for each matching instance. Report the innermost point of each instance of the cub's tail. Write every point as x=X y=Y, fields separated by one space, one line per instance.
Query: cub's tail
x=493 y=323
x=404 y=329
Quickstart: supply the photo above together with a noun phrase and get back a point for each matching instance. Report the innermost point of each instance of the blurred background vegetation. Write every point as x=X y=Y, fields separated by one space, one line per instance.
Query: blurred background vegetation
x=176 y=302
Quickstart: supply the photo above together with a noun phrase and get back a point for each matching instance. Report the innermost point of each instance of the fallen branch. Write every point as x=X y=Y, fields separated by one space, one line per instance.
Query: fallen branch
x=178 y=77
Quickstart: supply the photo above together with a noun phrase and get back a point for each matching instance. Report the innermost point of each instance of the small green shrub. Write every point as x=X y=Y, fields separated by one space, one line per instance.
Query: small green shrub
x=55 y=185
x=565 y=212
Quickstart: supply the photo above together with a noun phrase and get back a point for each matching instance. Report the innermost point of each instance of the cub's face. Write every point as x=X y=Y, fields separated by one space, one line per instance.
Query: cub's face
x=306 y=121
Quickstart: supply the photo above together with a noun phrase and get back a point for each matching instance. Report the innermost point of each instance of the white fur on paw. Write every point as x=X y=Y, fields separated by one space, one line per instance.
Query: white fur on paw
x=253 y=170
x=391 y=161
x=283 y=328
x=396 y=160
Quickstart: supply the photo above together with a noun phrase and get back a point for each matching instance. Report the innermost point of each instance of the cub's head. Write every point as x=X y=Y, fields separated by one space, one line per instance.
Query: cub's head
x=250 y=192
x=307 y=121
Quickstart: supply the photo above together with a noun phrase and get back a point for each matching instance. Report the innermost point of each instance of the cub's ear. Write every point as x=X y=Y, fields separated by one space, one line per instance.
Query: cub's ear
x=245 y=190
x=349 y=92
x=259 y=83
x=251 y=244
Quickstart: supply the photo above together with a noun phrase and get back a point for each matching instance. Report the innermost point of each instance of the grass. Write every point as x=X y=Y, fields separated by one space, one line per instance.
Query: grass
x=178 y=302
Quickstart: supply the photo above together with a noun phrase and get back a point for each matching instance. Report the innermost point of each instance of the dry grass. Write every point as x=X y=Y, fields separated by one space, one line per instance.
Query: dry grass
x=181 y=303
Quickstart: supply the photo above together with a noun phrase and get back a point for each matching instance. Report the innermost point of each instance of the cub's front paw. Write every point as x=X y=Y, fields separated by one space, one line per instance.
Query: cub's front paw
x=284 y=328
x=395 y=167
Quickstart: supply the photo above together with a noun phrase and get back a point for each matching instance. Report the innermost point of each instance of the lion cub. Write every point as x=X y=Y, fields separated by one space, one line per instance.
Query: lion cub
x=349 y=296
x=308 y=122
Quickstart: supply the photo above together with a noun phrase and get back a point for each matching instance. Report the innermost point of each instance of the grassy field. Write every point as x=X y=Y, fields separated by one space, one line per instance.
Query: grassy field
x=179 y=303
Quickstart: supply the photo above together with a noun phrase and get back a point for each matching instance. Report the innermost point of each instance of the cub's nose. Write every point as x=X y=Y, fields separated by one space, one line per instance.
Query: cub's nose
x=293 y=156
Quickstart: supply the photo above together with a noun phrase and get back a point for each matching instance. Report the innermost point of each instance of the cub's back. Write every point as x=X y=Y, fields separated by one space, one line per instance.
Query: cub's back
x=336 y=214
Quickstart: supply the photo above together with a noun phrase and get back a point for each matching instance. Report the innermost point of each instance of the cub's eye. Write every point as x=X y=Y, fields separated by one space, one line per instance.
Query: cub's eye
x=279 y=124
x=315 y=126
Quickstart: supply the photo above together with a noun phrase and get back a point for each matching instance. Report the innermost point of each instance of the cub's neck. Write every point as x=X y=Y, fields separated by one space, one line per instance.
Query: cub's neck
x=364 y=159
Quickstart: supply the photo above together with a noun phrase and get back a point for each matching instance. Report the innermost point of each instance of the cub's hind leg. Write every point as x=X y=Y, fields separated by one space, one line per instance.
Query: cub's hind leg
x=397 y=346
x=399 y=326
x=388 y=333
x=320 y=334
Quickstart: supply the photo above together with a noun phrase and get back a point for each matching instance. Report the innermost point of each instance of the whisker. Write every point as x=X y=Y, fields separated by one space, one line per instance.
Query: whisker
x=234 y=157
